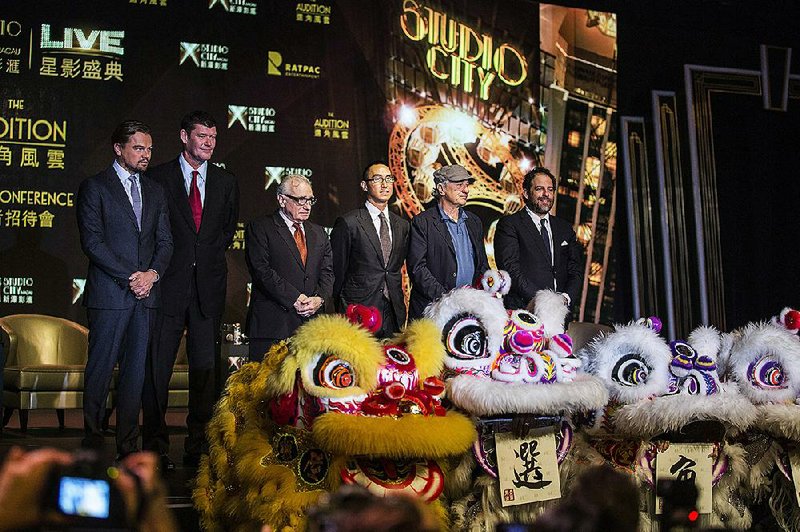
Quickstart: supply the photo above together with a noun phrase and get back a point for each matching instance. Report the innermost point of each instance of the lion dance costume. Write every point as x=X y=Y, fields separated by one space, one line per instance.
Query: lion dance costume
x=330 y=405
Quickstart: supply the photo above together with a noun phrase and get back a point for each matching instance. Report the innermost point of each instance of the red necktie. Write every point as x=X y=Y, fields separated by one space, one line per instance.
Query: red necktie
x=195 y=203
x=300 y=240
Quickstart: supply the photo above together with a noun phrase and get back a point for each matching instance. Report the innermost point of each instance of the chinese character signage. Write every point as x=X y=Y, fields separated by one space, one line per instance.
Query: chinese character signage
x=527 y=467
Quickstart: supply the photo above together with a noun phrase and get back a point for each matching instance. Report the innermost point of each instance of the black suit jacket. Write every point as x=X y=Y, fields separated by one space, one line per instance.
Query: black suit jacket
x=519 y=249
x=112 y=241
x=205 y=248
x=358 y=262
x=279 y=277
x=432 y=257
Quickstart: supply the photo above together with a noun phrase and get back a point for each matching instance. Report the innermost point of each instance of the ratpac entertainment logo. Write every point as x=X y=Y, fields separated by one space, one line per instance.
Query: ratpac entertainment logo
x=211 y=56
x=276 y=66
x=259 y=119
x=94 y=54
x=244 y=7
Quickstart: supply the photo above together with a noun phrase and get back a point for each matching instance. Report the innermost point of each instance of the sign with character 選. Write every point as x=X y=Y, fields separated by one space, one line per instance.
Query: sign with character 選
x=527 y=467
x=687 y=462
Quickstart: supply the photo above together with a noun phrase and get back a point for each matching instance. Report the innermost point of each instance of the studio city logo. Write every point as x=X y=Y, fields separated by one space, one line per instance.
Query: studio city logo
x=94 y=54
x=259 y=119
x=275 y=174
x=277 y=67
x=244 y=7
x=332 y=128
x=17 y=290
x=210 y=56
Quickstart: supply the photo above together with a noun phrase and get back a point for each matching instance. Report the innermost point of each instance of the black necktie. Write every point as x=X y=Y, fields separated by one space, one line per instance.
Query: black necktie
x=546 y=240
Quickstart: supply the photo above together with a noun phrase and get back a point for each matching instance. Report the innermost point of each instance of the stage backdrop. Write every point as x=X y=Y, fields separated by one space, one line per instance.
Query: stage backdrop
x=316 y=88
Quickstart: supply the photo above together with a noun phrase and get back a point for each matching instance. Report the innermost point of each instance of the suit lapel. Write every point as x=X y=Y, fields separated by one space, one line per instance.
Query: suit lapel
x=286 y=234
x=120 y=196
x=213 y=195
x=397 y=238
x=440 y=226
x=177 y=189
x=369 y=229
x=529 y=228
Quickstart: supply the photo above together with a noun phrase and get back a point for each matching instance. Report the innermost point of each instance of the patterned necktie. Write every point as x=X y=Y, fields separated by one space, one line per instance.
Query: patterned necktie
x=300 y=240
x=136 y=201
x=195 y=203
x=386 y=242
x=386 y=247
x=546 y=239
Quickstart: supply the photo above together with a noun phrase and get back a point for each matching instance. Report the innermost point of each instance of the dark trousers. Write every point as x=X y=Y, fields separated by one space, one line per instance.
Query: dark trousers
x=389 y=326
x=202 y=351
x=116 y=337
x=258 y=347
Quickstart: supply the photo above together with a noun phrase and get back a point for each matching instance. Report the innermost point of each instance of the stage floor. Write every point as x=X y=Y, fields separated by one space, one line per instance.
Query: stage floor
x=43 y=432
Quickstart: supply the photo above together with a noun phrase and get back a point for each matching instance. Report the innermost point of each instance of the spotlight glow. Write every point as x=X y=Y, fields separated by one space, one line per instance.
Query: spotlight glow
x=407 y=116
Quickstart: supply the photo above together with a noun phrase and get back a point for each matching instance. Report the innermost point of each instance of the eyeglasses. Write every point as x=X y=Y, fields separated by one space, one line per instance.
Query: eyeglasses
x=302 y=201
x=388 y=179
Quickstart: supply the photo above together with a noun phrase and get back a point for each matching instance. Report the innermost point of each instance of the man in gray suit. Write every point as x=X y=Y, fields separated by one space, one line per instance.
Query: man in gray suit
x=290 y=265
x=369 y=248
x=124 y=229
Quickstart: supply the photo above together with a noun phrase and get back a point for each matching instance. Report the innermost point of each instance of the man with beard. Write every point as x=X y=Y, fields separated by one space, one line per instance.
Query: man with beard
x=446 y=245
x=123 y=221
x=538 y=251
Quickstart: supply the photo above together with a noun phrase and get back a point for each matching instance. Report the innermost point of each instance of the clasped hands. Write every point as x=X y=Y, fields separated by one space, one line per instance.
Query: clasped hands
x=306 y=306
x=141 y=283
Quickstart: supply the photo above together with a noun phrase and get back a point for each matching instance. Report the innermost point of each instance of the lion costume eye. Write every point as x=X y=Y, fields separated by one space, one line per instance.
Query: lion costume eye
x=630 y=370
x=398 y=356
x=767 y=373
x=465 y=337
x=333 y=372
x=525 y=320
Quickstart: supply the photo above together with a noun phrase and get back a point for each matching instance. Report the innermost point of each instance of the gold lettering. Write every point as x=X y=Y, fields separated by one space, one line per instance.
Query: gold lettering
x=431 y=61
x=500 y=65
x=412 y=22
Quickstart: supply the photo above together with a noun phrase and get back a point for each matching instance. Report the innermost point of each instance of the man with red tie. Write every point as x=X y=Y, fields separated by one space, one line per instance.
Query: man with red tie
x=291 y=267
x=203 y=204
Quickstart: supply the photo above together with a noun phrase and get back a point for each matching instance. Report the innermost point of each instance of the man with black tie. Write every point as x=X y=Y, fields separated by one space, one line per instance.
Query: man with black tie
x=369 y=248
x=538 y=250
x=446 y=244
x=291 y=267
x=124 y=229
x=203 y=204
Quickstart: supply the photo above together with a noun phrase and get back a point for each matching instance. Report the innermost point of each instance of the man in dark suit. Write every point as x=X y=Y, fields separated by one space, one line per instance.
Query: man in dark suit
x=291 y=267
x=124 y=229
x=369 y=248
x=536 y=249
x=203 y=204
x=446 y=245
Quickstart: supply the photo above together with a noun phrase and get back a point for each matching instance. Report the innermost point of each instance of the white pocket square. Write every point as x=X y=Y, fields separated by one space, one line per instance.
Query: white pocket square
x=564 y=243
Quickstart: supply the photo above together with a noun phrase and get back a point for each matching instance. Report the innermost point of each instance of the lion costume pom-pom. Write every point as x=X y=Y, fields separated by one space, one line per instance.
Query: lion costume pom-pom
x=330 y=405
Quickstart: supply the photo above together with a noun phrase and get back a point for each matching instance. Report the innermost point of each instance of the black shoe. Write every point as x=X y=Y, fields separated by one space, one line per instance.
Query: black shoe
x=165 y=463
x=191 y=460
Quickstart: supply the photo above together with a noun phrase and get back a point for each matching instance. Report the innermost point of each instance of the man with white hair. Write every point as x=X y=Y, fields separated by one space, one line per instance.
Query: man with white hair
x=446 y=248
x=291 y=267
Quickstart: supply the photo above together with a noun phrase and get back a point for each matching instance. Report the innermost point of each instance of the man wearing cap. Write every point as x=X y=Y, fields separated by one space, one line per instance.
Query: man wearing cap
x=369 y=248
x=446 y=245
x=538 y=250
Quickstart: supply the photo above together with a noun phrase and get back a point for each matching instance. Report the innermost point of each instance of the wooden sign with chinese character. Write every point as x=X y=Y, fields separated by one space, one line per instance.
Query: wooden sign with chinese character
x=690 y=462
x=527 y=467
x=794 y=460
